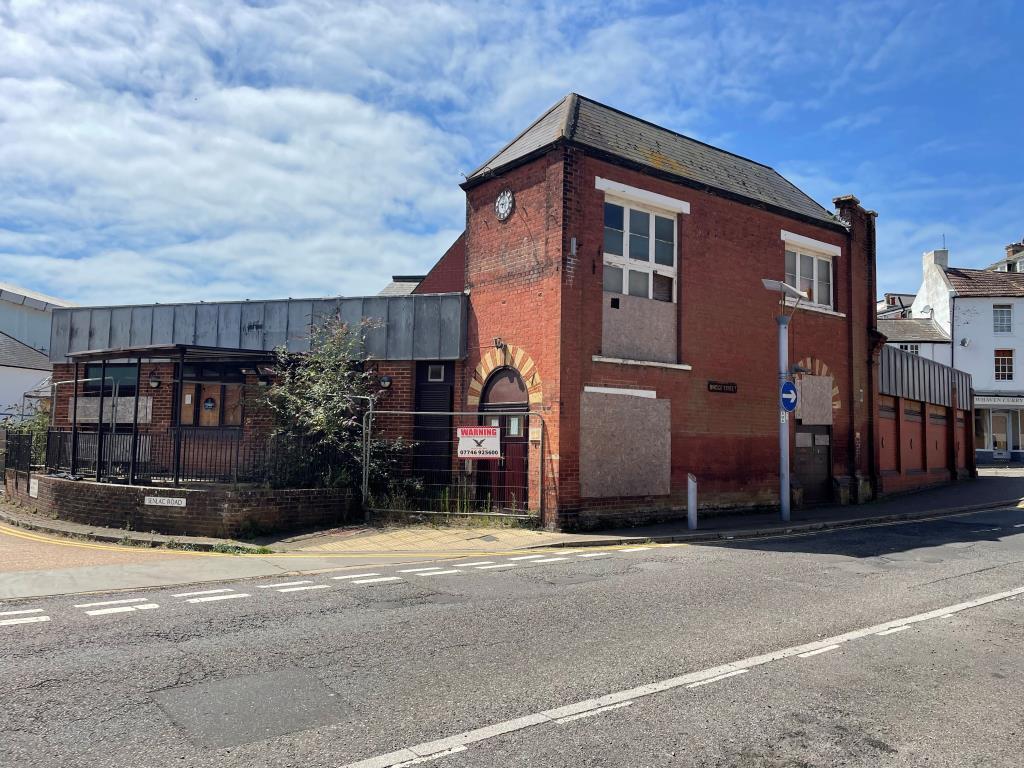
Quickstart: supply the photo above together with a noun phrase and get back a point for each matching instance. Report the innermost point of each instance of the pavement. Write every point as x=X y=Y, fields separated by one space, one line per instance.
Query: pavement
x=892 y=645
x=40 y=556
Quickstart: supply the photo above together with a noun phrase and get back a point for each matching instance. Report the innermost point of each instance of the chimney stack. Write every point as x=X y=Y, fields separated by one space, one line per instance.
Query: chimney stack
x=1014 y=250
x=939 y=257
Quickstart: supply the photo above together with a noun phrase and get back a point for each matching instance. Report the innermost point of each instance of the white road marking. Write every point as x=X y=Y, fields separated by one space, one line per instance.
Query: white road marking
x=634 y=549
x=500 y=565
x=594 y=554
x=710 y=680
x=303 y=589
x=948 y=616
x=549 y=560
x=355 y=576
x=420 y=570
x=478 y=562
x=418 y=760
x=1019 y=525
x=21 y=613
x=592 y=712
x=122 y=609
x=440 y=573
x=376 y=581
x=986 y=530
x=816 y=651
x=526 y=557
x=232 y=596
x=430 y=748
x=204 y=592
x=891 y=631
x=113 y=602
x=23 y=620
x=283 y=584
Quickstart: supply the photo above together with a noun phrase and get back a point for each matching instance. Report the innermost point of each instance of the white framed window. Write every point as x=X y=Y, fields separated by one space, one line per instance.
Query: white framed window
x=639 y=251
x=1002 y=318
x=1004 y=364
x=914 y=349
x=435 y=372
x=812 y=273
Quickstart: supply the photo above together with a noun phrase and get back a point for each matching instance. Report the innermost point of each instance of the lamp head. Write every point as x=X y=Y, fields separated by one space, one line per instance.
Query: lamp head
x=787 y=290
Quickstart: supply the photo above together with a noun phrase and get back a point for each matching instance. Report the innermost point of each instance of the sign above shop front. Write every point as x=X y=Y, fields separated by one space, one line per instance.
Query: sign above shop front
x=998 y=400
x=479 y=443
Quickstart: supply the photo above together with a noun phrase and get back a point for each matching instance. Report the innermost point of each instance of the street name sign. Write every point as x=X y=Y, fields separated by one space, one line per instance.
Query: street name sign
x=165 y=501
x=479 y=443
x=788 y=396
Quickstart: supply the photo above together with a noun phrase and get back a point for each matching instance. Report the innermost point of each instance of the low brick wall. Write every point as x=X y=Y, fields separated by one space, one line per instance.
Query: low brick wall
x=218 y=512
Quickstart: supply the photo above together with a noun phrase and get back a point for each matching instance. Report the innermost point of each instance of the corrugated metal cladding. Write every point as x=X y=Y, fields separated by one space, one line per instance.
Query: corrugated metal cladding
x=903 y=374
x=421 y=327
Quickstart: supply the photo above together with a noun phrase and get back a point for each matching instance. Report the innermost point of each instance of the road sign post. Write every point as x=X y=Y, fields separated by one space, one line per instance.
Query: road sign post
x=787 y=404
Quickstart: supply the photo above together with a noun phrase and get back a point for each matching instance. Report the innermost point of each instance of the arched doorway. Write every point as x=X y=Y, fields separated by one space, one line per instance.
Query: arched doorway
x=504 y=403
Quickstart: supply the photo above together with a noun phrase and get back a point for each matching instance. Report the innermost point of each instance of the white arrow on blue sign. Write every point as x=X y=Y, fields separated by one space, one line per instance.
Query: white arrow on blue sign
x=788 y=396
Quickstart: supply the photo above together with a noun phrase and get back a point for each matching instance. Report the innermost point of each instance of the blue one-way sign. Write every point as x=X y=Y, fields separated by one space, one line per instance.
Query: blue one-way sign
x=788 y=396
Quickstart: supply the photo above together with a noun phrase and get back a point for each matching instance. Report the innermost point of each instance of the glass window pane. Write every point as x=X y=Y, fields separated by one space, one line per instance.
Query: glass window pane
x=1002 y=318
x=613 y=216
x=662 y=288
x=639 y=223
x=639 y=248
x=981 y=432
x=663 y=229
x=806 y=274
x=612 y=278
x=791 y=268
x=638 y=284
x=612 y=242
x=664 y=253
x=613 y=225
x=824 y=293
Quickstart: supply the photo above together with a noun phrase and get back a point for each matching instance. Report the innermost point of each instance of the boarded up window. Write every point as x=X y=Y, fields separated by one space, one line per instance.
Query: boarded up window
x=625 y=446
x=232 y=405
x=815 y=404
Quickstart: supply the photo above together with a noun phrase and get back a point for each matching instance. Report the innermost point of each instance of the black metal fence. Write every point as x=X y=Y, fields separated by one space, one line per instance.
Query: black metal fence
x=196 y=455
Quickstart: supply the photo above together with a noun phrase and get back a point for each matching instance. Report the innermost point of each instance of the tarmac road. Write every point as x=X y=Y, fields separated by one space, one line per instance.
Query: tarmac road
x=633 y=656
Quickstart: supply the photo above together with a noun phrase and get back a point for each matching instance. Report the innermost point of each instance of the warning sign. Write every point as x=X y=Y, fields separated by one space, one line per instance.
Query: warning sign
x=479 y=443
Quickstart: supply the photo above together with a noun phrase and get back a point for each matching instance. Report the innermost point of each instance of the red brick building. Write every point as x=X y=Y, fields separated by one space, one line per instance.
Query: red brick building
x=604 y=308
x=627 y=273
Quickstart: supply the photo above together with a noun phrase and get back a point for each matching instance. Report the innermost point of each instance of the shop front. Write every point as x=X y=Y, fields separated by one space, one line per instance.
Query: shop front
x=997 y=428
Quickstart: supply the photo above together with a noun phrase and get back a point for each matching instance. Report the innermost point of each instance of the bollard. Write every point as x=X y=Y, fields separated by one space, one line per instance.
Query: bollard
x=691 y=502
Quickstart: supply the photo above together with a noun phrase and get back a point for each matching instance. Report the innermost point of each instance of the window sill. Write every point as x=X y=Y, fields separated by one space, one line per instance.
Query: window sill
x=647 y=363
x=814 y=308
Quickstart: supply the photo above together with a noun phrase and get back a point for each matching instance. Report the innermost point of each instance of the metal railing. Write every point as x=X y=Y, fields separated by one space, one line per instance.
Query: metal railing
x=192 y=455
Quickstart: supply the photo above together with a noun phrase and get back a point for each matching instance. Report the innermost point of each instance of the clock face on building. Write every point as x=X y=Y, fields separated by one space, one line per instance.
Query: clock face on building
x=504 y=204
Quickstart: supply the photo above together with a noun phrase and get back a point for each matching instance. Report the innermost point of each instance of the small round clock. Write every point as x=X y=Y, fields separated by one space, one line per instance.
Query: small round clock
x=504 y=204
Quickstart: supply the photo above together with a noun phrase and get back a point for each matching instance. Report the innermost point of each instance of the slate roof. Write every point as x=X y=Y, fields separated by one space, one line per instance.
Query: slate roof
x=916 y=329
x=14 y=354
x=402 y=285
x=603 y=128
x=982 y=282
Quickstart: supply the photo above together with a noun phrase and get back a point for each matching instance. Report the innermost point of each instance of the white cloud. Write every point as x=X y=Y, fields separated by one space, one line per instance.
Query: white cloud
x=223 y=149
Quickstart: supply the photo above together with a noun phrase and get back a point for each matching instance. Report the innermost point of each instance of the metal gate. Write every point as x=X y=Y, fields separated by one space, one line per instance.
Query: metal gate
x=411 y=463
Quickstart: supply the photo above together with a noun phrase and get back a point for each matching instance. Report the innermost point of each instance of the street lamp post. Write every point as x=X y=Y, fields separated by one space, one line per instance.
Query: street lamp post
x=785 y=291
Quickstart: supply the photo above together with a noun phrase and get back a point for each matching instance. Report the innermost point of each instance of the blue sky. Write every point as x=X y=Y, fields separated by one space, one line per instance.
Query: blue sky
x=265 y=149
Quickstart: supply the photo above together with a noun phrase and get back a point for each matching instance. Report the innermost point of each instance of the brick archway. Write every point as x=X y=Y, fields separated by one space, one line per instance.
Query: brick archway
x=509 y=356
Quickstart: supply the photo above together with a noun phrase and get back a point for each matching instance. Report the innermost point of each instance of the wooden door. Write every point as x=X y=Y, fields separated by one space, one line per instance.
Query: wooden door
x=812 y=464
